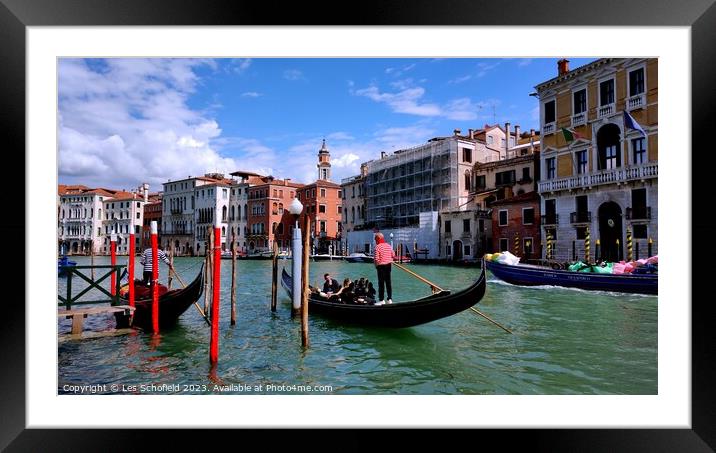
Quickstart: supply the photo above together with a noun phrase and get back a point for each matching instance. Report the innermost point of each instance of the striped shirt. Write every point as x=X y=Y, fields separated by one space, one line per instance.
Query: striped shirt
x=147 y=260
x=383 y=254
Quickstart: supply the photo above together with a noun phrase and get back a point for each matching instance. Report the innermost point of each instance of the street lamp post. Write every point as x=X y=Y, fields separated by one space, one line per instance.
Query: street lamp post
x=391 y=242
x=295 y=208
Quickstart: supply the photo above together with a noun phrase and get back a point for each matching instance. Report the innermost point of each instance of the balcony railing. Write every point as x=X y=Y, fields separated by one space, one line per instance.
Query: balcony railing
x=612 y=176
x=605 y=110
x=550 y=219
x=580 y=217
x=176 y=211
x=483 y=213
x=636 y=102
x=643 y=213
x=579 y=119
x=549 y=128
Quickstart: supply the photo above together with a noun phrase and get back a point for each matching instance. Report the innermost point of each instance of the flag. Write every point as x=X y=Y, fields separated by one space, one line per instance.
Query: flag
x=570 y=135
x=631 y=123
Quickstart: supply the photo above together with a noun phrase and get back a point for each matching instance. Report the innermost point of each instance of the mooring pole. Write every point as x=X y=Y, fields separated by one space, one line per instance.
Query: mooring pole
x=233 y=278
x=207 y=280
x=155 y=279
x=297 y=257
x=274 y=276
x=113 y=261
x=304 y=280
x=171 y=263
x=216 y=286
x=649 y=248
x=131 y=270
x=92 y=259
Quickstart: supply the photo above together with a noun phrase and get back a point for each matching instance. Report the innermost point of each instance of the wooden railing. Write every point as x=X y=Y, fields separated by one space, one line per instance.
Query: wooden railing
x=69 y=271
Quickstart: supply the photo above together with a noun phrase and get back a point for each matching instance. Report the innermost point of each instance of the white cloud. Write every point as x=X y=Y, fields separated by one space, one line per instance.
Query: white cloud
x=485 y=68
x=339 y=136
x=293 y=74
x=524 y=62
x=126 y=121
x=405 y=101
x=462 y=79
x=346 y=160
x=251 y=94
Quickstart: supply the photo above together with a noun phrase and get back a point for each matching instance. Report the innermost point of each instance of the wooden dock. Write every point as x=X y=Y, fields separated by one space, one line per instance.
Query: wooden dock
x=79 y=314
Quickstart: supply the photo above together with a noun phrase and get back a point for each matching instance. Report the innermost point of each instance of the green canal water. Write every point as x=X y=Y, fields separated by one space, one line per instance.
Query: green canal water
x=565 y=341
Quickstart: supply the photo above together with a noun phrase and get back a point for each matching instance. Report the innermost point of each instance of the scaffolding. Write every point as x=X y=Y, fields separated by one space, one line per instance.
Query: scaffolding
x=401 y=186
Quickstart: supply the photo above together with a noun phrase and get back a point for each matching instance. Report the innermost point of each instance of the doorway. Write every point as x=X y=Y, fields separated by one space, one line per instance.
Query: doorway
x=457 y=250
x=610 y=230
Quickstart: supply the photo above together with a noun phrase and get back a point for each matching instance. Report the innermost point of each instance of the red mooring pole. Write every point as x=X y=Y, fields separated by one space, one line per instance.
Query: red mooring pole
x=155 y=279
x=131 y=270
x=216 y=285
x=113 y=261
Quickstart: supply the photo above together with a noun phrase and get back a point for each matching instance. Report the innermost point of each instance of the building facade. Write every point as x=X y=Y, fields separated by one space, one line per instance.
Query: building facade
x=432 y=177
x=353 y=192
x=80 y=219
x=211 y=209
x=516 y=225
x=599 y=171
x=152 y=212
x=268 y=218
x=124 y=215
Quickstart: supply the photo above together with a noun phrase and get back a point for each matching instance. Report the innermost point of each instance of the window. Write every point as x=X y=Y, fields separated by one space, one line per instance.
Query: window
x=479 y=182
x=137 y=215
x=580 y=101
x=322 y=208
x=638 y=150
x=639 y=231
x=502 y=217
x=466 y=225
x=606 y=92
x=466 y=250
x=526 y=174
x=549 y=112
x=448 y=226
x=467 y=155
x=611 y=158
x=502 y=142
x=581 y=162
x=340 y=194
x=467 y=180
x=323 y=226
x=636 y=82
x=638 y=204
x=581 y=233
x=551 y=167
x=581 y=203
x=505 y=177
x=527 y=246
x=504 y=246
x=323 y=193
x=447 y=250
x=490 y=139
x=225 y=193
x=528 y=216
x=552 y=232
x=340 y=209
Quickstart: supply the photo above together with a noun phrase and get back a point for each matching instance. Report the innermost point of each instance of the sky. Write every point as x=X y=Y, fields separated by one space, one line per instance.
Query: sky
x=123 y=122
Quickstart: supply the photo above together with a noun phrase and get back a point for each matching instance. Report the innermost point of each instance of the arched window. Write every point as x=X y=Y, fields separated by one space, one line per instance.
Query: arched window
x=274 y=208
x=63 y=213
x=223 y=214
x=233 y=214
x=223 y=232
x=468 y=186
x=608 y=146
x=280 y=209
x=246 y=211
x=273 y=227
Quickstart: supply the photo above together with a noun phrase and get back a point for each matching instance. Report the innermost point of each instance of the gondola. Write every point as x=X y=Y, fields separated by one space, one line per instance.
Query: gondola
x=399 y=314
x=171 y=305
x=531 y=275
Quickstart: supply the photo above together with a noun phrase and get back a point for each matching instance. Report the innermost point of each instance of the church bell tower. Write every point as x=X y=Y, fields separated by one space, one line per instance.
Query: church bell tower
x=324 y=163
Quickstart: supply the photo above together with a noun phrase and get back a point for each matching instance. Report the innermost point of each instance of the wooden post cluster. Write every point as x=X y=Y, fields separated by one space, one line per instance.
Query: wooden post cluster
x=517 y=244
x=586 y=246
x=630 y=253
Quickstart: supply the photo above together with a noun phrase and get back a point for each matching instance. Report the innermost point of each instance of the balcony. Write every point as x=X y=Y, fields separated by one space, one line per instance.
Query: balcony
x=176 y=211
x=642 y=213
x=605 y=110
x=483 y=213
x=580 y=217
x=550 y=219
x=549 y=128
x=466 y=235
x=636 y=102
x=601 y=177
x=579 y=119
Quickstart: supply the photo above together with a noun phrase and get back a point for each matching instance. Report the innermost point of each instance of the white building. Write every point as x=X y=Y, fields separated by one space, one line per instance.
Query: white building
x=79 y=218
x=212 y=208
x=124 y=215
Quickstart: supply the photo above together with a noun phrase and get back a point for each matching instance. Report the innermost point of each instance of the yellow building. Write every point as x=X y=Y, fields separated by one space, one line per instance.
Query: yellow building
x=599 y=171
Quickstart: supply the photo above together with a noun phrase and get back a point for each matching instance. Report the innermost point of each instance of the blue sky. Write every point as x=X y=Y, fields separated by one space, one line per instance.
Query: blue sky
x=127 y=121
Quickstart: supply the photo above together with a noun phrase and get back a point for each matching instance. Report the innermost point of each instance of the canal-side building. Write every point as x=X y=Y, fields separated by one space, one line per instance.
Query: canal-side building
x=152 y=212
x=458 y=235
x=516 y=225
x=239 y=206
x=211 y=209
x=353 y=192
x=599 y=158
x=268 y=219
x=124 y=215
x=79 y=218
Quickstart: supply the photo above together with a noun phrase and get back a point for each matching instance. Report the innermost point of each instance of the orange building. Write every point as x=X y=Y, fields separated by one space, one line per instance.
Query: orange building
x=268 y=218
x=323 y=204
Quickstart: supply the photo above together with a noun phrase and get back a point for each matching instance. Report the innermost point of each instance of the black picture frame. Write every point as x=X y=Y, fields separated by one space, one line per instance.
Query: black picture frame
x=16 y=15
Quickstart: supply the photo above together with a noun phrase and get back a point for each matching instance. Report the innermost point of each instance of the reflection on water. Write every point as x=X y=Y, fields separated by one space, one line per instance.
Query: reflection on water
x=565 y=341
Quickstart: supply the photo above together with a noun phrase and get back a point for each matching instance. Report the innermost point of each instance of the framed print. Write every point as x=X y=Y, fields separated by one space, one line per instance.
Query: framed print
x=161 y=91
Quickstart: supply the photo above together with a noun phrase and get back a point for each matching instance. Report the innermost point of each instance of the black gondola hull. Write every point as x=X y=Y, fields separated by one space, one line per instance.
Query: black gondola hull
x=172 y=304
x=403 y=314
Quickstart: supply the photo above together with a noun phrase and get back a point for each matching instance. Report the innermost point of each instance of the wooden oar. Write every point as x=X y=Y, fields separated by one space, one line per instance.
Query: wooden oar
x=436 y=287
x=201 y=312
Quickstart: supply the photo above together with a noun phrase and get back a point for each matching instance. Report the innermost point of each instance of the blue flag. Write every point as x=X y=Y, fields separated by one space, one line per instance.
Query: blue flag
x=631 y=123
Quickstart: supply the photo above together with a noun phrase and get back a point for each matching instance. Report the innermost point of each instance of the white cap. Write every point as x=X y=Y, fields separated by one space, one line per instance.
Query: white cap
x=154 y=226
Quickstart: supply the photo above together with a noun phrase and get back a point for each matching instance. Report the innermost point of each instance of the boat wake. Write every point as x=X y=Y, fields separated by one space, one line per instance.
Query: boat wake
x=566 y=288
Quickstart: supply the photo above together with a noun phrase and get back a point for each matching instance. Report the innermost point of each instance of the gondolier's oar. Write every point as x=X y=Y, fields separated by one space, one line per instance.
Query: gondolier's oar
x=434 y=286
x=201 y=312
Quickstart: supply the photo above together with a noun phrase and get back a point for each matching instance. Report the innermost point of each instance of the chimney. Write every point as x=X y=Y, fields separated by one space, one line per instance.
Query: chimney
x=285 y=181
x=456 y=132
x=470 y=133
x=507 y=138
x=517 y=133
x=562 y=66
x=382 y=154
x=364 y=170
x=532 y=140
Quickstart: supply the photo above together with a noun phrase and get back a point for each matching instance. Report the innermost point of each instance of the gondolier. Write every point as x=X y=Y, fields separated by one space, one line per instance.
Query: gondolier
x=147 y=261
x=383 y=258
